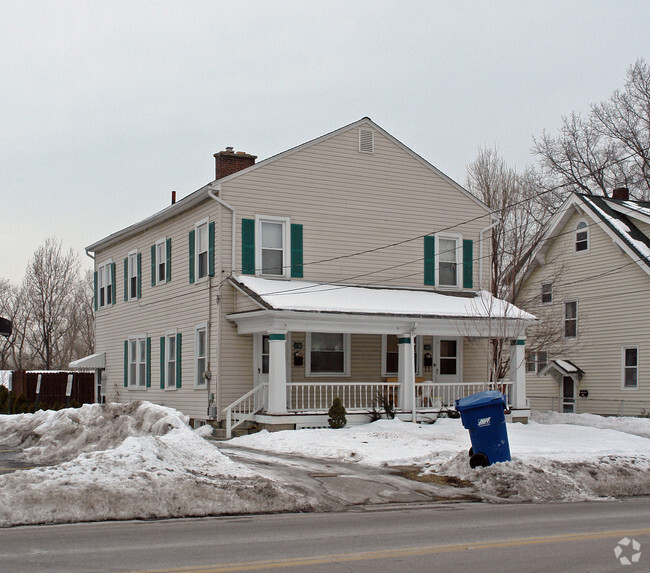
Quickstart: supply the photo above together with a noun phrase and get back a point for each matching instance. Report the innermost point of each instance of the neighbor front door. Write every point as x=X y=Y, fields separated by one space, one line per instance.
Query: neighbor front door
x=568 y=395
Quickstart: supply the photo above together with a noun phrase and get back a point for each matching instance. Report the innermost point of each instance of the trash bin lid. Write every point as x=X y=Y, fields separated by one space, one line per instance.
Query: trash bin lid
x=480 y=399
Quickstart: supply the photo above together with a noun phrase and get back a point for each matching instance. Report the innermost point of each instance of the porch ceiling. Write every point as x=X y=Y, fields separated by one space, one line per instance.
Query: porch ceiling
x=304 y=306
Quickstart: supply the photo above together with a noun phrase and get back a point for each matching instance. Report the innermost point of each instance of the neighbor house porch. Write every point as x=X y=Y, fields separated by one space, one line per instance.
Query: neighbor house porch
x=416 y=351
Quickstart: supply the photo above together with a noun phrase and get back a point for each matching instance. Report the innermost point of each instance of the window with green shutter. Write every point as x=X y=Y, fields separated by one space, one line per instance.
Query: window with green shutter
x=429 y=260
x=296 y=251
x=162 y=362
x=179 y=352
x=468 y=263
x=248 y=246
x=191 y=249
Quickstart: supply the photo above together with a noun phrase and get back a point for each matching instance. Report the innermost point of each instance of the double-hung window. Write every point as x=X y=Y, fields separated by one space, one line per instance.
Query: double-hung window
x=448 y=258
x=328 y=354
x=200 y=355
x=171 y=358
x=630 y=363
x=273 y=246
x=582 y=236
x=571 y=319
x=202 y=251
x=546 y=293
x=133 y=273
x=137 y=362
x=536 y=361
x=161 y=255
x=105 y=279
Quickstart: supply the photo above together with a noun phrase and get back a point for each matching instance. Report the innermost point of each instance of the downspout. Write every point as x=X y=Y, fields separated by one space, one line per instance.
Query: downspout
x=98 y=371
x=214 y=399
x=480 y=253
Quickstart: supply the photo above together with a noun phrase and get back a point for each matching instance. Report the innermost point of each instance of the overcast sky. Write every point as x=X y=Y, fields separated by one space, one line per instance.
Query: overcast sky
x=107 y=106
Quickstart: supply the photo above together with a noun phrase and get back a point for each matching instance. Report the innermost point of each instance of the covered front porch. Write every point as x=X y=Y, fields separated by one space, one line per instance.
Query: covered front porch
x=409 y=351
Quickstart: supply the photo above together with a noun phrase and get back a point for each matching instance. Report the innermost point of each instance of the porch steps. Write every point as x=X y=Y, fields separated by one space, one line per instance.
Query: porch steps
x=219 y=432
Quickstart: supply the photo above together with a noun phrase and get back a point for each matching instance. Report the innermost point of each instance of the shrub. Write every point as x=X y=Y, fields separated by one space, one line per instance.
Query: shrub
x=337 y=414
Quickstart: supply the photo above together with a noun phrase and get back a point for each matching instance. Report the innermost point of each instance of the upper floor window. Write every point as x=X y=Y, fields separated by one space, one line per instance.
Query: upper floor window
x=546 y=293
x=571 y=319
x=161 y=261
x=105 y=284
x=328 y=354
x=582 y=236
x=448 y=257
x=132 y=269
x=630 y=367
x=273 y=246
x=201 y=250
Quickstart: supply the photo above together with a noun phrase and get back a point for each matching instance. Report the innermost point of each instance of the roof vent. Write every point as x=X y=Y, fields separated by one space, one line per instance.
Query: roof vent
x=366 y=140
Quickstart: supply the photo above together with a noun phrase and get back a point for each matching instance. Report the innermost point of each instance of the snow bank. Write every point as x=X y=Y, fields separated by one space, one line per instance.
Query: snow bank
x=135 y=461
x=629 y=425
x=551 y=462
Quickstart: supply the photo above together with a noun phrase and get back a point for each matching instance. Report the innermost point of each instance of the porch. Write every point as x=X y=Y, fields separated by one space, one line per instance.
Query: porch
x=302 y=349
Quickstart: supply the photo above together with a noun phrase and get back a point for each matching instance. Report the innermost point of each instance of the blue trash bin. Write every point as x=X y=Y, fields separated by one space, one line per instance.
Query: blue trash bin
x=483 y=414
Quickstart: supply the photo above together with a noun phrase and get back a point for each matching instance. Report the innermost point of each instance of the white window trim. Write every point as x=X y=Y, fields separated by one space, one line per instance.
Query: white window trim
x=346 y=359
x=105 y=265
x=459 y=260
x=162 y=242
x=418 y=350
x=575 y=237
x=198 y=224
x=128 y=269
x=623 y=386
x=564 y=318
x=541 y=292
x=286 y=247
x=200 y=383
x=133 y=384
x=169 y=333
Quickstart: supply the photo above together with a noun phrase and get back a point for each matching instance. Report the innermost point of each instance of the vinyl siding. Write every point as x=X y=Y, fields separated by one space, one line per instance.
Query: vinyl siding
x=612 y=313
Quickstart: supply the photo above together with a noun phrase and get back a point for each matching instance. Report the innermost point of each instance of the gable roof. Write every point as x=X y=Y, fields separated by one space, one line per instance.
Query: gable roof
x=613 y=216
x=201 y=194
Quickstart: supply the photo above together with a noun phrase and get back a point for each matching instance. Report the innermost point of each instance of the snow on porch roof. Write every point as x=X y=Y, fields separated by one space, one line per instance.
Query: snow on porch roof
x=564 y=367
x=299 y=295
x=92 y=361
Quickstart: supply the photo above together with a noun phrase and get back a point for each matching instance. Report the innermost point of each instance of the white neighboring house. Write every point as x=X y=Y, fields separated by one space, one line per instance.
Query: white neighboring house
x=589 y=279
x=345 y=266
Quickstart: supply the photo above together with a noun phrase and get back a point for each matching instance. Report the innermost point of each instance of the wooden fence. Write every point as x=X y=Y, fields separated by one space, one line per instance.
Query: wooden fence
x=53 y=386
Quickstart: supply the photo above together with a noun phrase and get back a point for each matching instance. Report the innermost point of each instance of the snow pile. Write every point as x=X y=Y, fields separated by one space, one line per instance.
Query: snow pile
x=164 y=469
x=550 y=462
x=629 y=425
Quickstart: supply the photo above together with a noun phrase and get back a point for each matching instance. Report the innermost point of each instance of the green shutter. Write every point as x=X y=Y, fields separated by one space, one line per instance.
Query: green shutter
x=139 y=278
x=126 y=279
x=211 y=248
x=95 y=289
x=162 y=362
x=191 y=246
x=153 y=265
x=148 y=362
x=168 y=267
x=468 y=263
x=429 y=260
x=248 y=246
x=296 y=251
x=113 y=285
x=178 y=359
x=126 y=363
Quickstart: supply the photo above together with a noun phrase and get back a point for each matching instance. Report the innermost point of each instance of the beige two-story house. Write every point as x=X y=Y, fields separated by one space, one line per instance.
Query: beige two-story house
x=589 y=283
x=347 y=266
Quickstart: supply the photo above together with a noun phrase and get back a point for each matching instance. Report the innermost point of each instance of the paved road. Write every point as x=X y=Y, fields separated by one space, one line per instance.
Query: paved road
x=439 y=537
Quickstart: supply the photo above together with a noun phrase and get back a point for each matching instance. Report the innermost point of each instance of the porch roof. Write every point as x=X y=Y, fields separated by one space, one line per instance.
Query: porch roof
x=562 y=366
x=335 y=307
x=91 y=361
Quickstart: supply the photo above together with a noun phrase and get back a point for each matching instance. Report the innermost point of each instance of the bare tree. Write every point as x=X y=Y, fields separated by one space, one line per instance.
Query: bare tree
x=50 y=284
x=608 y=148
x=14 y=350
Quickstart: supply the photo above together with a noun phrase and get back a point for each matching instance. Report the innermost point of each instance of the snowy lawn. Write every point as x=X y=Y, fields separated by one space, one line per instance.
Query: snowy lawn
x=562 y=460
x=140 y=461
x=126 y=461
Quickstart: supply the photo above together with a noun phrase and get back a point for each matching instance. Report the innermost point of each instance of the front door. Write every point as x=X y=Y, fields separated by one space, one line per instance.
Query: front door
x=261 y=364
x=447 y=368
x=568 y=395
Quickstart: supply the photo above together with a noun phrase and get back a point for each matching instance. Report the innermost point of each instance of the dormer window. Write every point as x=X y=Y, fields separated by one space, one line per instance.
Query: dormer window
x=582 y=237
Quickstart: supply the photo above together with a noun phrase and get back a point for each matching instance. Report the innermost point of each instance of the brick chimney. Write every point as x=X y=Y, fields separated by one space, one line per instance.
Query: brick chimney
x=230 y=161
x=622 y=193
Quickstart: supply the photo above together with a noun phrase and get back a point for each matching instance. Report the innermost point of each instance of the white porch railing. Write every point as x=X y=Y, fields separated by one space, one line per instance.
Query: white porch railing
x=438 y=396
x=318 y=396
x=246 y=407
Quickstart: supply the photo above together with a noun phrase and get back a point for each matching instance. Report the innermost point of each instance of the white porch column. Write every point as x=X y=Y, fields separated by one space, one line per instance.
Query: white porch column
x=277 y=373
x=518 y=372
x=406 y=373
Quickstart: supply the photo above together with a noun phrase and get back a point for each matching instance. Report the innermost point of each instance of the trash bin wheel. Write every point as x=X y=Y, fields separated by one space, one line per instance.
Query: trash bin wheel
x=471 y=452
x=478 y=460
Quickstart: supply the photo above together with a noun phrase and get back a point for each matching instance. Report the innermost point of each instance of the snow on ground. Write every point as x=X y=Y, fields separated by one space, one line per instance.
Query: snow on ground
x=550 y=462
x=126 y=461
x=635 y=426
